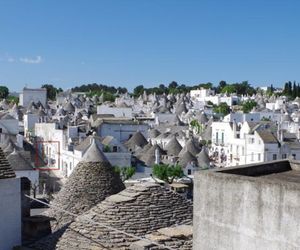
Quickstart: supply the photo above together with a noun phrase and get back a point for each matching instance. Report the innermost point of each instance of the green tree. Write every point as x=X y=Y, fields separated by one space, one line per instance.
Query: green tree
x=125 y=172
x=106 y=148
x=294 y=91
x=290 y=90
x=3 y=92
x=167 y=173
x=51 y=91
x=13 y=99
x=138 y=90
x=223 y=109
x=173 y=85
x=248 y=106
x=222 y=84
x=197 y=126
x=228 y=89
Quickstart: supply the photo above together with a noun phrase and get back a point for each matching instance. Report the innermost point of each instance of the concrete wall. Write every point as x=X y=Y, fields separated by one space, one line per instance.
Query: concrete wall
x=10 y=213
x=238 y=212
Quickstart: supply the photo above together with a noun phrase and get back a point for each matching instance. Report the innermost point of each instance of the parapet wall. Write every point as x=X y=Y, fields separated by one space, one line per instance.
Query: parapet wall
x=235 y=212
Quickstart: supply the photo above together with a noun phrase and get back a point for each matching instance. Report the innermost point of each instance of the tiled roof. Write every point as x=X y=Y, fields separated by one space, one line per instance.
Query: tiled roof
x=267 y=136
x=5 y=169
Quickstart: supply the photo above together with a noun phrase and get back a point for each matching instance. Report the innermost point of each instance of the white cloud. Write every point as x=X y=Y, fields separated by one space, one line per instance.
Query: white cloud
x=36 y=60
x=11 y=59
x=7 y=58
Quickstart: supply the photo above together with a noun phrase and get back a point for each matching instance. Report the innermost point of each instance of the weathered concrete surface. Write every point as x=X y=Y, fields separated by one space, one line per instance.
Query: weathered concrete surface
x=240 y=212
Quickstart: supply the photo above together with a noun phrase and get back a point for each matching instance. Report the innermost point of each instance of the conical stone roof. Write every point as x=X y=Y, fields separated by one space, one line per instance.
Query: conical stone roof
x=153 y=133
x=173 y=147
x=69 y=107
x=92 y=180
x=186 y=158
x=191 y=147
x=149 y=156
x=138 y=210
x=137 y=140
x=181 y=108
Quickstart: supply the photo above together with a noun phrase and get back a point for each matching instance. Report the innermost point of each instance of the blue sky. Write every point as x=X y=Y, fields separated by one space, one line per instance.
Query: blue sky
x=131 y=42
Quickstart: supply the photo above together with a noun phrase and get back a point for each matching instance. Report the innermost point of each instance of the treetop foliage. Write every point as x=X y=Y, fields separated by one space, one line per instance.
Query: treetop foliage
x=167 y=173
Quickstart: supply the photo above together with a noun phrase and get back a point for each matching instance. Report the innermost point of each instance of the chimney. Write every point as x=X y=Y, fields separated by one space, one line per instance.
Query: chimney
x=157 y=156
x=234 y=128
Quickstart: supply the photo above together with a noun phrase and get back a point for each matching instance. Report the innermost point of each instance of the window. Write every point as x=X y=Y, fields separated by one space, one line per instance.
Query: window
x=243 y=151
x=258 y=157
x=189 y=171
x=222 y=138
x=115 y=148
x=252 y=156
x=284 y=156
x=274 y=157
x=0 y=130
x=217 y=137
x=294 y=156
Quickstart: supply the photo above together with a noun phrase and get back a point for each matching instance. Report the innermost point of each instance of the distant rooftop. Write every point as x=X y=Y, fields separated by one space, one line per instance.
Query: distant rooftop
x=35 y=89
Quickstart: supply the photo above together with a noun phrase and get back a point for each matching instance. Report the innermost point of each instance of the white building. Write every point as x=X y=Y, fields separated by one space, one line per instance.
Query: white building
x=251 y=142
x=10 y=206
x=57 y=148
x=202 y=96
x=35 y=95
x=116 y=111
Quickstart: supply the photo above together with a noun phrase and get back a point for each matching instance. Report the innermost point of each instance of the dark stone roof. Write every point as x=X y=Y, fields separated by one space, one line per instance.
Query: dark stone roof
x=191 y=147
x=267 y=136
x=5 y=169
x=153 y=133
x=138 y=210
x=20 y=161
x=186 y=158
x=92 y=180
x=173 y=147
x=137 y=140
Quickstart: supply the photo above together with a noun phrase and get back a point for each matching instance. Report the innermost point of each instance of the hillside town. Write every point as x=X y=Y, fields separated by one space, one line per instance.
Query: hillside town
x=82 y=172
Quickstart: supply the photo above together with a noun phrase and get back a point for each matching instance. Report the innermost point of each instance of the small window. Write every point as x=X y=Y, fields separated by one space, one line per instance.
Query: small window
x=189 y=171
x=284 y=156
x=274 y=157
x=294 y=156
x=258 y=157
x=115 y=148
x=0 y=130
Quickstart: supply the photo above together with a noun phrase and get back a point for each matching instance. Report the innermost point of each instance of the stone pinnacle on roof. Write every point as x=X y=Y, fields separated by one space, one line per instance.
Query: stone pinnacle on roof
x=203 y=159
x=92 y=180
x=93 y=153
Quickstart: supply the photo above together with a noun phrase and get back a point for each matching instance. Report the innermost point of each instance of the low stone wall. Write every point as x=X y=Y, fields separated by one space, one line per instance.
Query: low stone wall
x=240 y=212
